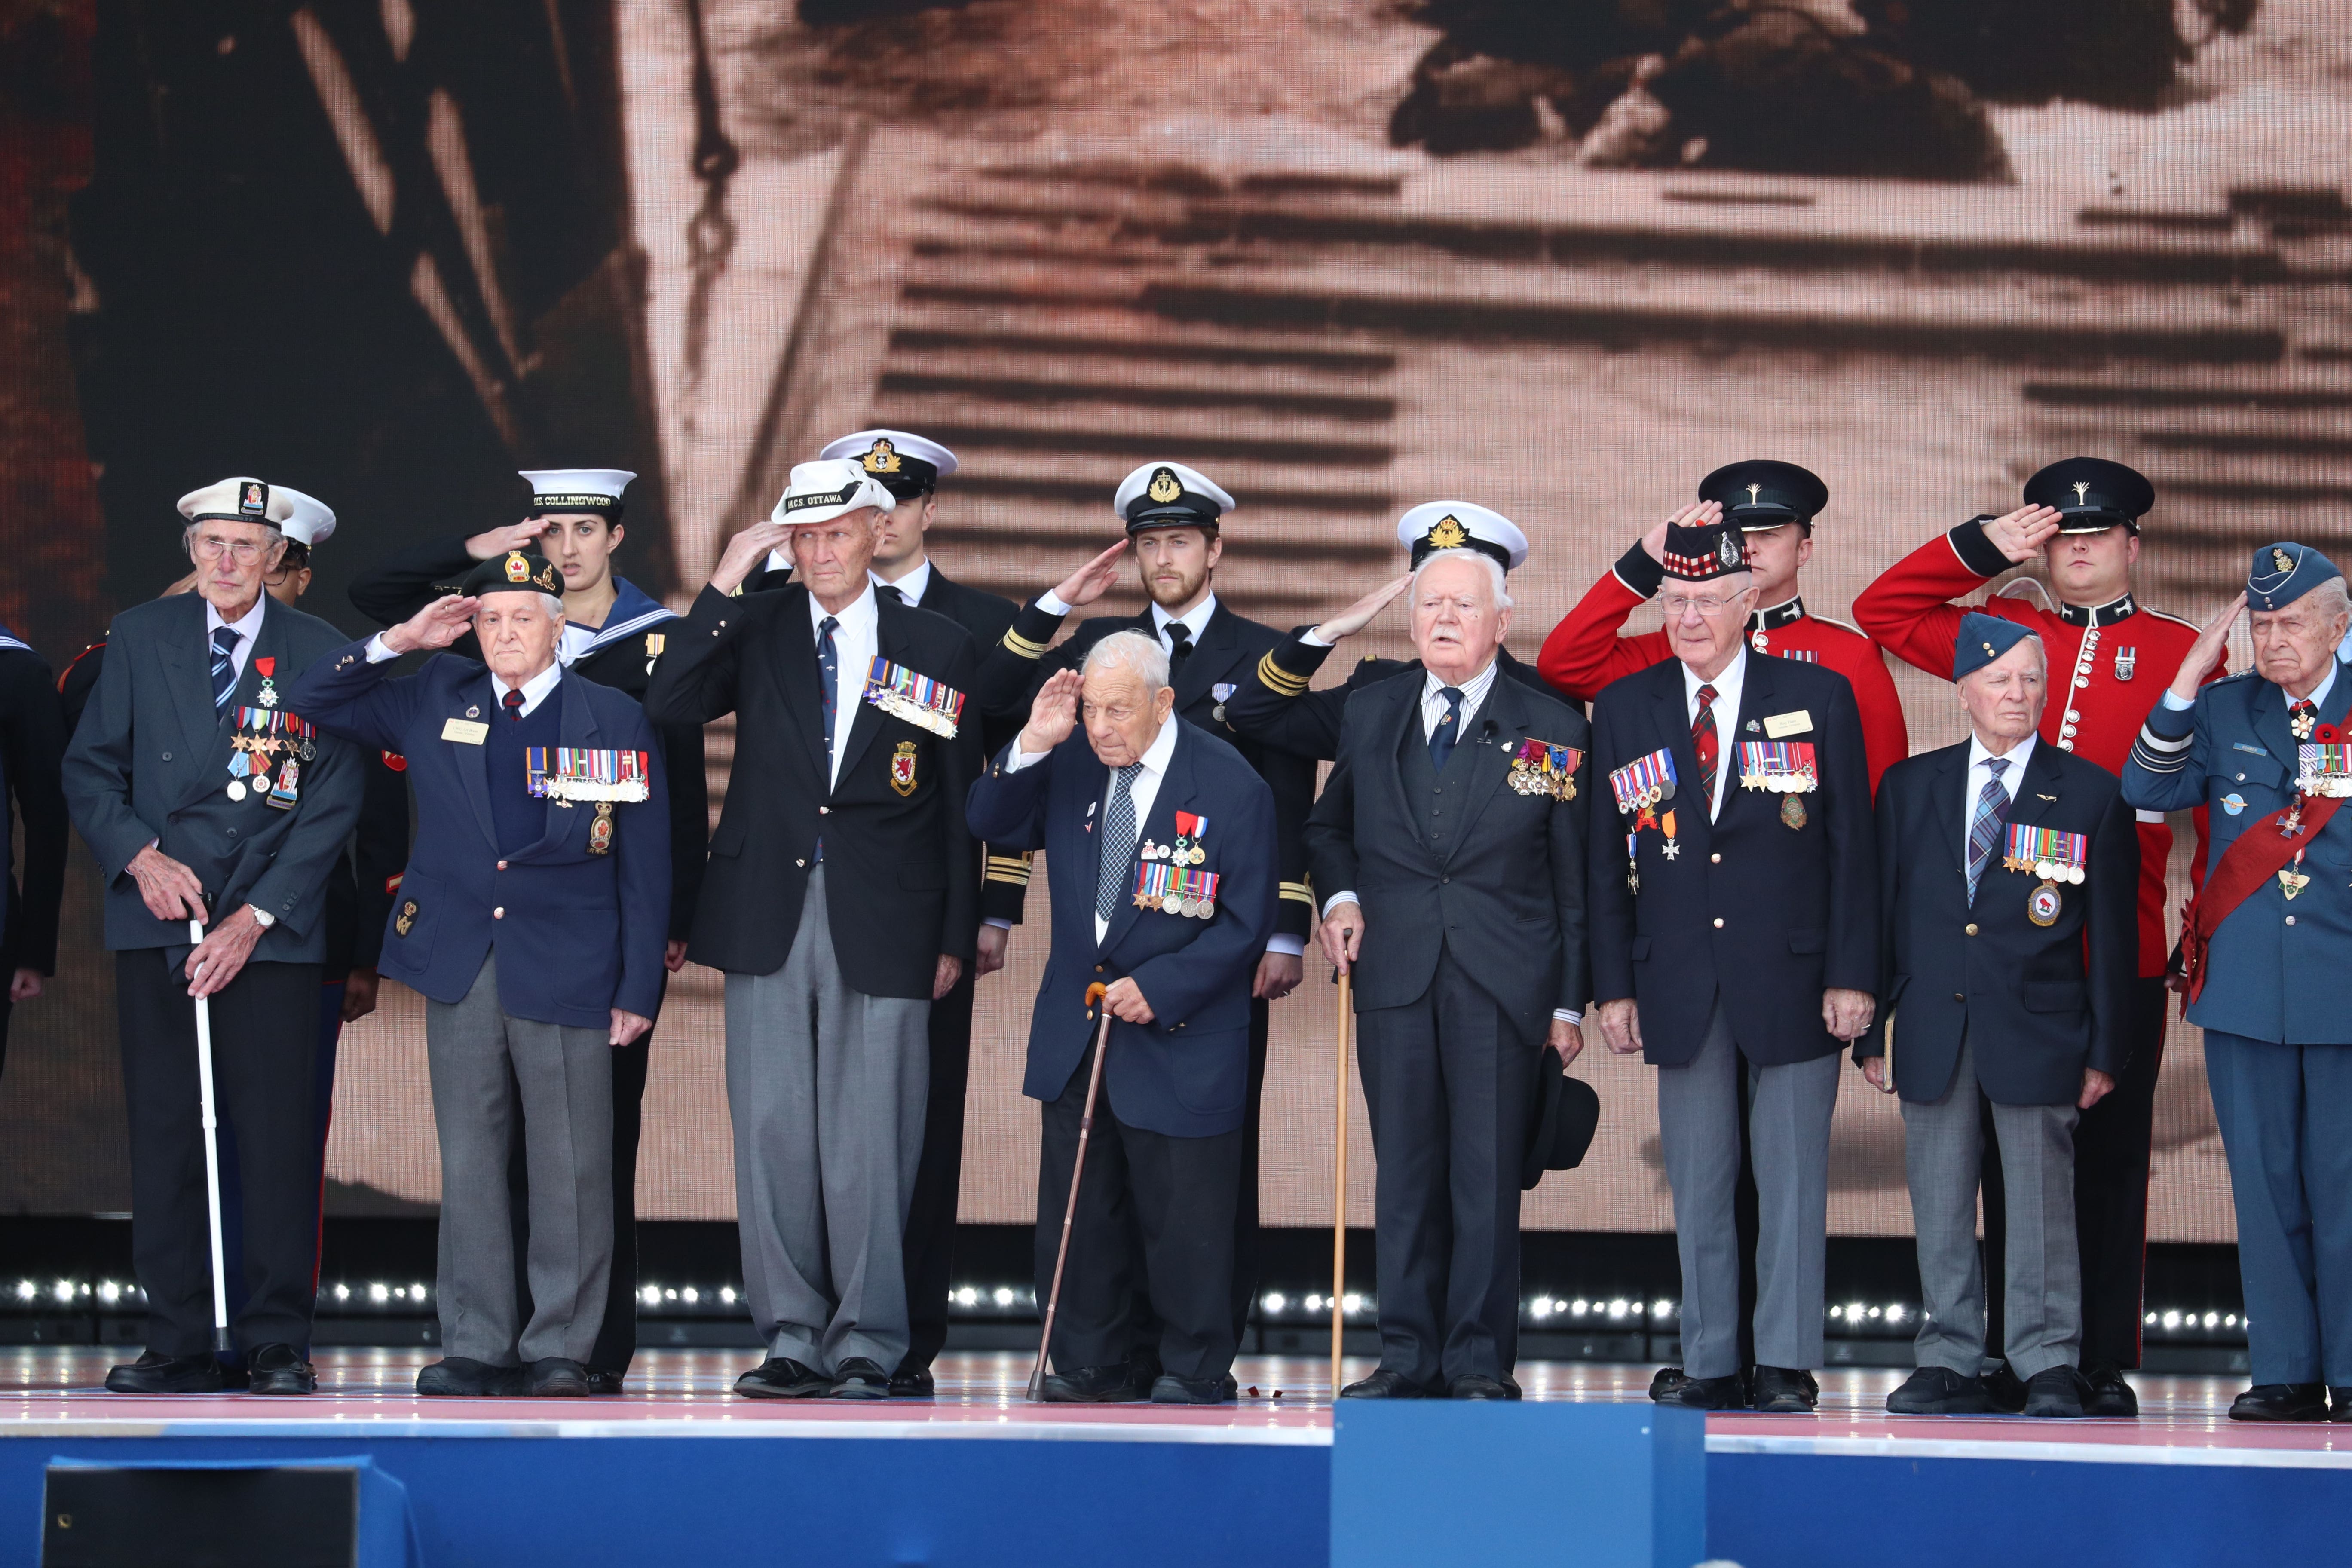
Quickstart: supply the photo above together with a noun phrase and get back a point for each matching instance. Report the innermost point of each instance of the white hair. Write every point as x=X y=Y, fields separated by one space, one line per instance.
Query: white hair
x=2334 y=596
x=1130 y=651
x=1495 y=576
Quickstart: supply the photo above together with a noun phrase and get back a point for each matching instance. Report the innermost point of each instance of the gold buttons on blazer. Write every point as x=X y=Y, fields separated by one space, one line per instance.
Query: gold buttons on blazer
x=1972 y=928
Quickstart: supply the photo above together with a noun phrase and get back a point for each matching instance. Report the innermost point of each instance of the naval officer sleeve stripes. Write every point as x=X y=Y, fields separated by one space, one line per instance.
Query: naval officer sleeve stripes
x=1011 y=869
x=1297 y=892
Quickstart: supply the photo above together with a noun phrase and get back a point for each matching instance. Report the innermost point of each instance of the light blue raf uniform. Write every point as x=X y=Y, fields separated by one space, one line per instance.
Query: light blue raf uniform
x=2274 y=991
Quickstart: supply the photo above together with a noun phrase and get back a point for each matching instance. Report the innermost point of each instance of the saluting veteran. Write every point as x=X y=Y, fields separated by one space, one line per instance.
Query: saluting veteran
x=1735 y=932
x=841 y=900
x=532 y=918
x=1451 y=837
x=2008 y=872
x=2266 y=944
x=1160 y=839
x=204 y=795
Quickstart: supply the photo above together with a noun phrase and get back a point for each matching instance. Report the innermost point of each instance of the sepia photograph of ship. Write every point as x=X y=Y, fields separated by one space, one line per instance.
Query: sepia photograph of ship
x=1558 y=257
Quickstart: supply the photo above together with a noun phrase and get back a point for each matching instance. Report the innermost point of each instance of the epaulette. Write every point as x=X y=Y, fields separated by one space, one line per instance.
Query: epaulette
x=2168 y=616
x=1841 y=626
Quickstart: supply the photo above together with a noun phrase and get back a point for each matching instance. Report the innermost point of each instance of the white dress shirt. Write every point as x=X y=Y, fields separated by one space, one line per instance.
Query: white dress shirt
x=2318 y=693
x=855 y=641
x=912 y=586
x=1726 y=708
x=2017 y=757
x=534 y=690
x=1143 y=789
x=248 y=626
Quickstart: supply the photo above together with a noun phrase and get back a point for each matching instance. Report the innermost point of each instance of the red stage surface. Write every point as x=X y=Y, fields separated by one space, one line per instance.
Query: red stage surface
x=55 y=1393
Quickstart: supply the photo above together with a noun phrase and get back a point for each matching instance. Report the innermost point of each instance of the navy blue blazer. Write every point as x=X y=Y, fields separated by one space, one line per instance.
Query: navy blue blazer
x=581 y=934
x=2036 y=1004
x=1186 y=1073
x=1770 y=915
x=2277 y=971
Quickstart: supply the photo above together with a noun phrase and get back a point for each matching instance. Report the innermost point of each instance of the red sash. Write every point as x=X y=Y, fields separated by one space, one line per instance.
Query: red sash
x=2253 y=859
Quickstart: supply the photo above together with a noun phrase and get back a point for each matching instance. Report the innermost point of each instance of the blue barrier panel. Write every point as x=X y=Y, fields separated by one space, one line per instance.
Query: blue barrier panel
x=1431 y=1483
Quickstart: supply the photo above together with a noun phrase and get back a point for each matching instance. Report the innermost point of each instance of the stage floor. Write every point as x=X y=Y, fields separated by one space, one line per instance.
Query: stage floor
x=57 y=1391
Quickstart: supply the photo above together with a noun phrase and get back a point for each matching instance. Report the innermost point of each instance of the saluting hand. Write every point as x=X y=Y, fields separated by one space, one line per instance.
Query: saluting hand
x=747 y=550
x=2021 y=534
x=1698 y=514
x=438 y=625
x=494 y=543
x=1091 y=581
x=2213 y=645
x=1053 y=714
x=1359 y=616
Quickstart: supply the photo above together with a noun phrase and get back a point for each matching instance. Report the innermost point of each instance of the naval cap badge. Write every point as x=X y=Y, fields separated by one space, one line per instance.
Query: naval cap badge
x=1164 y=487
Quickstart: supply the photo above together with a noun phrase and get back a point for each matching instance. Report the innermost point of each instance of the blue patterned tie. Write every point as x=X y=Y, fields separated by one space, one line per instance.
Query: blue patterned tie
x=224 y=641
x=829 y=680
x=1448 y=728
x=1984 y=829
x=1118 y=843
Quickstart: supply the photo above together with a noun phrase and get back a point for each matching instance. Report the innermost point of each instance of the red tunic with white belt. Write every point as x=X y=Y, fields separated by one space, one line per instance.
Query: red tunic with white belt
x=2108 y=666
x=1587 y=651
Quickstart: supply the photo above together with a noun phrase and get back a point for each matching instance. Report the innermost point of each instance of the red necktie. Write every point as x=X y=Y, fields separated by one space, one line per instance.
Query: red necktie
x=514 y=702
x=1702 y=742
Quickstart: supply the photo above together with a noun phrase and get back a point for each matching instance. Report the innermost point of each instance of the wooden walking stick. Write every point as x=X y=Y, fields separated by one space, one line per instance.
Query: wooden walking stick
x=1078 y=1169
x=1340 y=1184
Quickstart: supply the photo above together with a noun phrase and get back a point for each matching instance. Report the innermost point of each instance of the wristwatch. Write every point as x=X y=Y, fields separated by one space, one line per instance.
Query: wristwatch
x=262 y=917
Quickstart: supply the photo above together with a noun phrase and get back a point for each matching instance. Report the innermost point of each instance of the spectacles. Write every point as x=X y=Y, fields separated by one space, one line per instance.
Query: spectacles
x=244 y=552
x=1675 y=605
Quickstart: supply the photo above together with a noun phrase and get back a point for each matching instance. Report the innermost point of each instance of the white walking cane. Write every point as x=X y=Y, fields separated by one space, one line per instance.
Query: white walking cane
x=211 y=1152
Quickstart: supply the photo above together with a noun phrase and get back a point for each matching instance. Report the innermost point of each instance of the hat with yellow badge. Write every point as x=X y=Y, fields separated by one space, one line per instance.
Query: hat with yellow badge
x=1170 y=495
x=1461 y=525
x=905 y=464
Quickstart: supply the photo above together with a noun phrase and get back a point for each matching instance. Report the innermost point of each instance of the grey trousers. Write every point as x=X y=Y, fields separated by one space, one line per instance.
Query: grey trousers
x=1943 y=1149
x=826 y=1090
x=483 y=1063
x=1789 y=1129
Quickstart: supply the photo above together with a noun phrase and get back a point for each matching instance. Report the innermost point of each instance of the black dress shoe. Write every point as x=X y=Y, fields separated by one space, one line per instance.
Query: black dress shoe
x=1169 y=1389
x=155 y=1373
x=1385 y=1384
x=1784 y=1391
x=780 y=1377
x=1479 y=1385
x=604 y=1383
x=860 y=1377
x=912 y=1382
x=2264 y=1402
x=1230 y=1384
x=1728 y=1391
x=2054 y=1392
x=463 y=1377
x=1112 y=1384
x=1939 y=1391
x=2108 y=1394
x=555 y=1377
x=279 y=1369
x=2003 y=1387
x=1668 y=1379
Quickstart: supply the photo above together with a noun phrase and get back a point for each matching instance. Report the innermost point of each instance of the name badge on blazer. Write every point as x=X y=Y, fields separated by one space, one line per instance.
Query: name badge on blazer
x=465 y=731
x=1797 y=722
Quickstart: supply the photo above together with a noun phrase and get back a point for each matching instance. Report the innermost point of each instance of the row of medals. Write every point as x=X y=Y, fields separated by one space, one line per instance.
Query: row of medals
x=1178 y=854
x=259 y=749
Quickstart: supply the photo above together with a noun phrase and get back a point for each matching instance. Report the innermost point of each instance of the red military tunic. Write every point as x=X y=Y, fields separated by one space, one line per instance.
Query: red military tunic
x=1586 y=651
x=2108 y=666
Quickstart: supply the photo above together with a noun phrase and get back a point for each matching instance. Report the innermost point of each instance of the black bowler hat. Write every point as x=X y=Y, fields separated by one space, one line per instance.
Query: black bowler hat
x=1760 y=493
x=1569 y=1113
x=2092 y=494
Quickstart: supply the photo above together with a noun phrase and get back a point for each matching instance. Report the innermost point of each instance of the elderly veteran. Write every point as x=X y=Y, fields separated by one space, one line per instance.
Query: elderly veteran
x=204 y=795
x=1450 y=834
x=2266 y=944
x=1160 y=839
x=2006 y=977
x=532 y=918
x=841 y=900
x=1734 y=941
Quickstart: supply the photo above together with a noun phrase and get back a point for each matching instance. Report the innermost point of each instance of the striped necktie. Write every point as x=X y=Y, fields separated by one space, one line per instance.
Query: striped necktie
x=1704 y=746
x=1984 y=828
x=224 y=641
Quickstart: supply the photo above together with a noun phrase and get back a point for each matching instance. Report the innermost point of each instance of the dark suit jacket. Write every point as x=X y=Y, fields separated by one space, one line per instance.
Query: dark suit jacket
x=1229 y=647
x=2037 y=1004
x=582 y=934
x=1307 y=722
x=903 y=883
x=1506 y=898
x=32 y=748
x=1186 y=1073
x=149 y=765
x=1768 y=915
x=623 y=659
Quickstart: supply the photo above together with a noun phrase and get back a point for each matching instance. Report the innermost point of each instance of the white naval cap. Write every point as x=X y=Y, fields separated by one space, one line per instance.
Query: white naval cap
x=1170 y=495
x=1462 y=526
x=825 y=489
x=311 y=520
x=908 y=464
x=240 y=499
x=576 y=489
